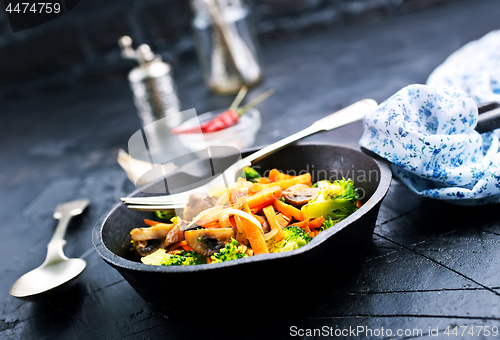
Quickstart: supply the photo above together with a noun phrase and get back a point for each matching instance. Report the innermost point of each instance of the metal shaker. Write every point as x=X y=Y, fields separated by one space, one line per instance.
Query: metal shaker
x=154 y=90
x=226 y=45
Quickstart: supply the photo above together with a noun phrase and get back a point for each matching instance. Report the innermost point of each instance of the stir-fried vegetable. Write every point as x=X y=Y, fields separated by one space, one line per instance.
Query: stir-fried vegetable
x=256 y=215
x=176 y=258
x=295 y=237
x=251 y=174
x=336 y=201
x=165 y=215
x=327 y=224
x=231 y=251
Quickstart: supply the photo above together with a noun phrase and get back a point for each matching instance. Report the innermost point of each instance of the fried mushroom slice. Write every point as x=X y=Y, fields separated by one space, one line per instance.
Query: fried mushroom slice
x=208 y=241
x=299 y=194
x=158 y=231
x=144 y=248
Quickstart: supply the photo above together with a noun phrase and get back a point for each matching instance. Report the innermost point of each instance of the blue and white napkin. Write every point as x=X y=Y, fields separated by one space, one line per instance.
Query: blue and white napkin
x=427 y=132
x=475 y=68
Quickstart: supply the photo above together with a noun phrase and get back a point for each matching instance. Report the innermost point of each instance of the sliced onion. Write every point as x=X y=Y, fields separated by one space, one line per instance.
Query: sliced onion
x=271 y=234
x=241 y=184
x=220 y=188
x=208 y=215
x=224 y=221
x=244 y=215
x=223 y=199
x=240 y=232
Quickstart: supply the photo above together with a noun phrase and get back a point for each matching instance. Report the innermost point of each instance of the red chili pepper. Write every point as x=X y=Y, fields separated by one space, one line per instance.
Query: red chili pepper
x=224 y=120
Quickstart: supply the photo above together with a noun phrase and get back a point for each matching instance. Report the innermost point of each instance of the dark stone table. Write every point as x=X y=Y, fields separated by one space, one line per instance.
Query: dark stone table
x=431 y=265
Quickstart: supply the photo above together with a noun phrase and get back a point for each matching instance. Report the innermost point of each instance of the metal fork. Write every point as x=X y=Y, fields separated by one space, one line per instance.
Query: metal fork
x=340 y=118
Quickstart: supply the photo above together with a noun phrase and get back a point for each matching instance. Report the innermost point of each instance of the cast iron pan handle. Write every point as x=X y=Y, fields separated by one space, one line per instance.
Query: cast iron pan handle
x=489 y=117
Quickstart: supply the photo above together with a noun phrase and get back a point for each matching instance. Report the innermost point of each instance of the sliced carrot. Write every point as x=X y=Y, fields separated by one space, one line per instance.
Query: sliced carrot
x=303 y=224
x=263 y=180
x=185 y=246
x=289 y=210
x=275 y=175
x=180 y=244
x=264 y=196
x=287 y=183
x=283 y=219
x=316 y=222
x=273 y=222
x=175 y=246
x=255 y=189
x=259 y=218
x=240 y=230
x=358 y=204
x=283 y=176
x=259 y=187
x=209 y=260
x=150 y=222
x=258 y=208
x=272 y=174
x=255 y=237
x=246 y=207
x=214 y=224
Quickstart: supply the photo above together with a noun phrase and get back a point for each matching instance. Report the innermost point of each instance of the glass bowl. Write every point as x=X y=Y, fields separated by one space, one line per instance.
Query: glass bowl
x=240 y=136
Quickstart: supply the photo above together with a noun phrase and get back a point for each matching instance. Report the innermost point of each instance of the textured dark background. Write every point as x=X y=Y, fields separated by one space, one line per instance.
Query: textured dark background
x=81 y=45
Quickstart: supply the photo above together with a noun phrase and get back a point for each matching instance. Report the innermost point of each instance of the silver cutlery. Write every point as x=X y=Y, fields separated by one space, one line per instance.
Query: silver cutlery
x=178 y=200
x=57 y=271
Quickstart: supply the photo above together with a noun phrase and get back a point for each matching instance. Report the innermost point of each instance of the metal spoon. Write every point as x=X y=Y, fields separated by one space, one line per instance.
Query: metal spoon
x=57 y=270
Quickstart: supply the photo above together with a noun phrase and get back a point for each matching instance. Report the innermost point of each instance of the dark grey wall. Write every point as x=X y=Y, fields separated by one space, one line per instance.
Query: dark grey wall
x=83 y=42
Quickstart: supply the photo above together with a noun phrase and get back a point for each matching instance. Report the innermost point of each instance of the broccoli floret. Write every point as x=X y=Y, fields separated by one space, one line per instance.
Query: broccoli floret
x=295 y=237
x=251 y=174
x=166 y=215
x=173 y=260
x=179 y=258
x=183 y=258
x=336 y=201
x=327 y=224
x=231 y=251
x=321 y=184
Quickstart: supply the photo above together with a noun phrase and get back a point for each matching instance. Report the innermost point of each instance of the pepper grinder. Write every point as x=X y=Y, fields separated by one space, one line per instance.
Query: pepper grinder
x=155 y=94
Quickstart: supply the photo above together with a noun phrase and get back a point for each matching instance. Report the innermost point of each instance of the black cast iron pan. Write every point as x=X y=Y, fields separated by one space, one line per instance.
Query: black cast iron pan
x=327 y=259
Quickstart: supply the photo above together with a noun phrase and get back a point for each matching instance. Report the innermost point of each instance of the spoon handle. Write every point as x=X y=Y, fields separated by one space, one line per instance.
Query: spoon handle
x=64 y=212
x=57 y=242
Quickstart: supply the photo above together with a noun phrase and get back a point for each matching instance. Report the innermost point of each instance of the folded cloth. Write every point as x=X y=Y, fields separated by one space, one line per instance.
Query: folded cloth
x=427 y=133
x=475 y=68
